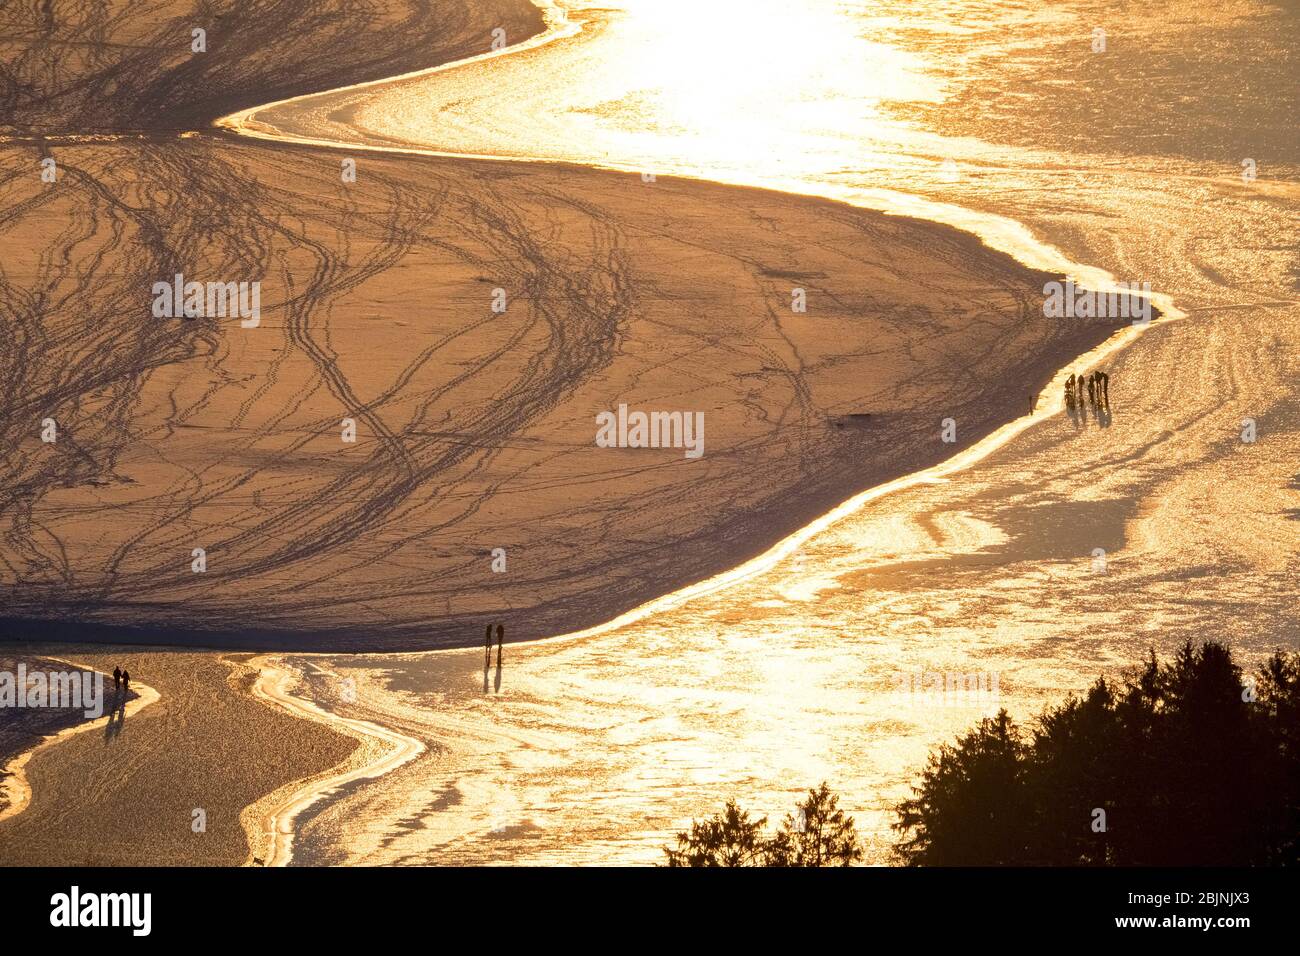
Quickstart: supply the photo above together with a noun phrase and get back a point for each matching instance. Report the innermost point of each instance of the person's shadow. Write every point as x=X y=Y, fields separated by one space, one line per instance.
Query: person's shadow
x=487 y=666
x=501 y=639
x=116 y=716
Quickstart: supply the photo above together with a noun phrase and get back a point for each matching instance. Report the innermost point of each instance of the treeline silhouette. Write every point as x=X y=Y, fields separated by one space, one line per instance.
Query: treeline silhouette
x=817 y=834
x=1181 y=764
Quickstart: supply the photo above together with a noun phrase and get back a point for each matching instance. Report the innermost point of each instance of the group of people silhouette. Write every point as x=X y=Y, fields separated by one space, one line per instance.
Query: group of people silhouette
x=1096 y=388
x=121 y=679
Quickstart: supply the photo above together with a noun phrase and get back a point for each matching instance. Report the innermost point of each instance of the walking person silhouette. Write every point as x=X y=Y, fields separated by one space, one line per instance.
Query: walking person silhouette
x=117 y=678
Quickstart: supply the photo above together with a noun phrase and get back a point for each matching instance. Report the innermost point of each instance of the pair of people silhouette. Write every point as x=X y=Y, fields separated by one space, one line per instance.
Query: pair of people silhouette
x=121 y=679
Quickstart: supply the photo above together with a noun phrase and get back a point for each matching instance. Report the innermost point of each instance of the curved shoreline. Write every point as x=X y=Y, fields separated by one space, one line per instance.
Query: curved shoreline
x=13 y=778
x=269 y=823
x=998 y=233
x=242 y=122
